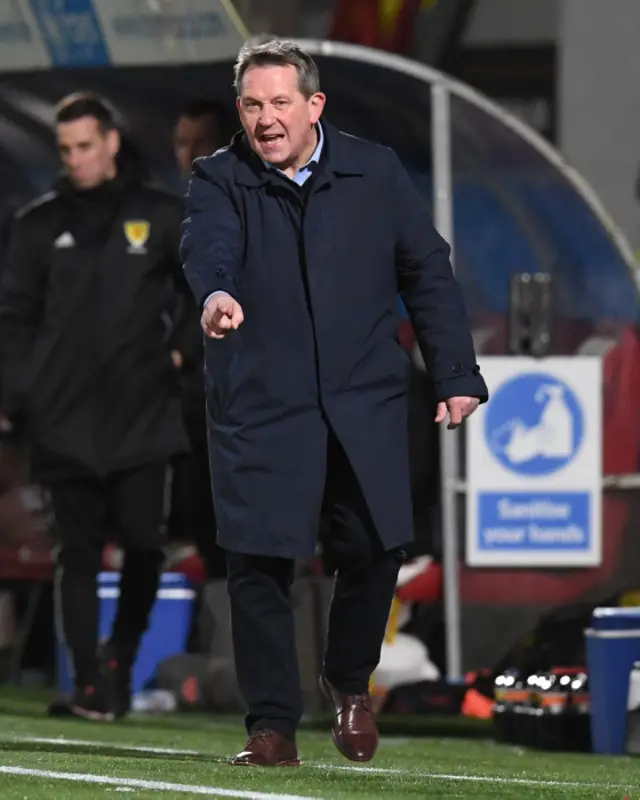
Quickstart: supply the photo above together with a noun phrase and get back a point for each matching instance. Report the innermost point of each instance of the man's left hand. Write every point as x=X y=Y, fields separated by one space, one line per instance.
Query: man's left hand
x=458 y=408
x=178 y=360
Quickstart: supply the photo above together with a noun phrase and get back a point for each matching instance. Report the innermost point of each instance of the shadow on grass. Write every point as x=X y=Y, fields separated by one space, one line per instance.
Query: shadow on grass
x=29 y=704
x=170 y=722
x=107 y=751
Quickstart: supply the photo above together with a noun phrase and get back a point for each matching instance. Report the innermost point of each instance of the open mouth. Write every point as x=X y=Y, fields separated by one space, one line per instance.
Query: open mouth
x=271 y=138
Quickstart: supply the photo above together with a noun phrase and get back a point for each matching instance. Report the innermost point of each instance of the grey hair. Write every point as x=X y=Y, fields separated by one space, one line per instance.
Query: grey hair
x=278 y=52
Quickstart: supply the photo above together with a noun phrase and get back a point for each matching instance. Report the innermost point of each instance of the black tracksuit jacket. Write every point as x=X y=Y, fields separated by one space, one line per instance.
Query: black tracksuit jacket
x=90 y=284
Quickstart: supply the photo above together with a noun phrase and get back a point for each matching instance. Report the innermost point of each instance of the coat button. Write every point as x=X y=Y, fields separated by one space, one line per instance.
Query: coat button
x=220 y=271
x=458 y=367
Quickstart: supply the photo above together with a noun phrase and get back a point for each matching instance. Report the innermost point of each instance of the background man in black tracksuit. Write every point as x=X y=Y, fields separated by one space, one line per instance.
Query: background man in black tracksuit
x=89 y=351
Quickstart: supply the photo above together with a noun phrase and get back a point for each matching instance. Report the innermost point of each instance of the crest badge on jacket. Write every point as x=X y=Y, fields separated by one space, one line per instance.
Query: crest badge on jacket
x=137 y=232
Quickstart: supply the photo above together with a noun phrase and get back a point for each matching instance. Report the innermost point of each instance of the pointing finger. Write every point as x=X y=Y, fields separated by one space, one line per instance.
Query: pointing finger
x=238 y=317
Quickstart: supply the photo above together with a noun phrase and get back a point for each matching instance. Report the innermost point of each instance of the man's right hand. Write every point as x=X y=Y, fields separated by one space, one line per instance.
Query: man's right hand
x=221 y=314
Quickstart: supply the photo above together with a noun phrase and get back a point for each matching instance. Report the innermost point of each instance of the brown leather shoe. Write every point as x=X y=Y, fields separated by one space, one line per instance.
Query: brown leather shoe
x=267 y=749
x=355 y=732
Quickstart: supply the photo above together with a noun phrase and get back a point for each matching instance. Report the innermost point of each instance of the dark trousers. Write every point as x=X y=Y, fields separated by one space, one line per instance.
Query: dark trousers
x=192 y=513
x=262 y=614
x=128 y=507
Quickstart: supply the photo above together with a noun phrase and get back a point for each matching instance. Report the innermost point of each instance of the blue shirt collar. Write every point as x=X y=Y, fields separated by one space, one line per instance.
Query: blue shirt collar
x=315 y=158
x=306 y=169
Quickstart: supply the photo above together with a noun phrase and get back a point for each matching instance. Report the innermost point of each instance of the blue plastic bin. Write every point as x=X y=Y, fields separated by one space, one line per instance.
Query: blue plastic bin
x=167 y=633
x=613 y=646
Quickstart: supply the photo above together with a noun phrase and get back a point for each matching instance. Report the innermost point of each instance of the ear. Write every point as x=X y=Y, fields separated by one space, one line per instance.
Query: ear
x=113 y=141
x=316 y=106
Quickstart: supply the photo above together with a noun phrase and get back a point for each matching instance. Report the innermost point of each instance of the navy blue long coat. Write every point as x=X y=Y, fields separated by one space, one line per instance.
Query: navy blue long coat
x=318 y=284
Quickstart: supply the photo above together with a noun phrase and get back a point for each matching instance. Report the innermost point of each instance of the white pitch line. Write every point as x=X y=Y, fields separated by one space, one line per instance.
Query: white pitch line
x=438 y=776
x=477 y=778
x=138 y=783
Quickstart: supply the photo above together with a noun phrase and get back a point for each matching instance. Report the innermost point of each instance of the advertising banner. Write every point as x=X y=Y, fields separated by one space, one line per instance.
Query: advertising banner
x=36 y=34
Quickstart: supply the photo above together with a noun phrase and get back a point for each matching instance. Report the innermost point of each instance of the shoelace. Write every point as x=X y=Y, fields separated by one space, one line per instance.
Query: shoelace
x=363 y=700
x=260 y=735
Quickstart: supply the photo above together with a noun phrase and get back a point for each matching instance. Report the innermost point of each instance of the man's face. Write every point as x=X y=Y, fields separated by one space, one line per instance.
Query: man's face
x=277 y=117
x=194 y=138
x=88 y=153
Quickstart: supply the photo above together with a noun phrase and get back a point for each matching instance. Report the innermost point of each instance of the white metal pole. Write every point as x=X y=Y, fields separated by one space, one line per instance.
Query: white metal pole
x=443 y=218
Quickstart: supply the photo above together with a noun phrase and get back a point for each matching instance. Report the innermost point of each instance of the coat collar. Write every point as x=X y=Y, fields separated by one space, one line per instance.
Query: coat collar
x=343 y=160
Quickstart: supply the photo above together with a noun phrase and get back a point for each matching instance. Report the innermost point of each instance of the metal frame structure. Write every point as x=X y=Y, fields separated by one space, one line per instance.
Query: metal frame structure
x=442 y=87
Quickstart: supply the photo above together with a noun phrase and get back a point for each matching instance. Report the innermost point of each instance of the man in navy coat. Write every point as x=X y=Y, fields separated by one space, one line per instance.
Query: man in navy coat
x=297 y=240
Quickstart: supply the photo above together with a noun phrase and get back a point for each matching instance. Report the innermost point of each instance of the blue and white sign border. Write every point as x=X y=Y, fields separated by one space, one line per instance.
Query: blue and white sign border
x=577 y=485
